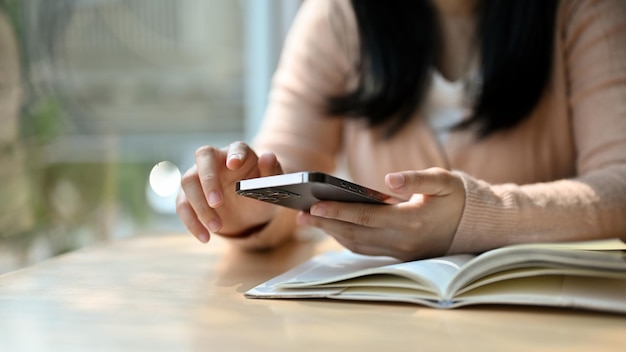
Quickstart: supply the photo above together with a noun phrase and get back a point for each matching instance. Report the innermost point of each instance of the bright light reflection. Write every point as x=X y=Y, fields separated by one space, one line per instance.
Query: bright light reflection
x=165 y=179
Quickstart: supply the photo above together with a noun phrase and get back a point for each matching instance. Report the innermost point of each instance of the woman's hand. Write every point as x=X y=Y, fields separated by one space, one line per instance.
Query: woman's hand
x=208 y=203
x=422 y=226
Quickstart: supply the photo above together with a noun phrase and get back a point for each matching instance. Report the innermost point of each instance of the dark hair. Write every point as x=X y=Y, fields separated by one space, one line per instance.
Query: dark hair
x=399 y=47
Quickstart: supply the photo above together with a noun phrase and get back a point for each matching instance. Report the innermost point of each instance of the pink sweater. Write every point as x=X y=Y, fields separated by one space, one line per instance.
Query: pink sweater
x=558 y=176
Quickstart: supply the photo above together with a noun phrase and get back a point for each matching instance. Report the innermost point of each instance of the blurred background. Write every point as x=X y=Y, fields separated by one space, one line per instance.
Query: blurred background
x=103 y=103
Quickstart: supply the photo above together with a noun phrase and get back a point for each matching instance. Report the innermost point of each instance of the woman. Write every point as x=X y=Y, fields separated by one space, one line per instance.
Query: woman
x=500 y=122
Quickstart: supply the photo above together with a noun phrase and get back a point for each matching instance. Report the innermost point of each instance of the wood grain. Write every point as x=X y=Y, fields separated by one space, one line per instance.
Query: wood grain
x=170 y=293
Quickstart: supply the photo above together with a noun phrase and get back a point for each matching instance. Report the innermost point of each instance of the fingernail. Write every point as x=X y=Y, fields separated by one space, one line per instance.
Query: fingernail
x=214 y=199
x=234 y=156
x=214 y=225
x=395 y=180
x=203 y=237
x=318 y=210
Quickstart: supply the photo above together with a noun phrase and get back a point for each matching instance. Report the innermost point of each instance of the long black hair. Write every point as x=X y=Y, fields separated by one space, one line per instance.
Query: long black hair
x=399 y=46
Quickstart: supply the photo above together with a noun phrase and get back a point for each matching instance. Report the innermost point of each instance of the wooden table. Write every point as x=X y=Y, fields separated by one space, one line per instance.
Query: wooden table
x=170 y=293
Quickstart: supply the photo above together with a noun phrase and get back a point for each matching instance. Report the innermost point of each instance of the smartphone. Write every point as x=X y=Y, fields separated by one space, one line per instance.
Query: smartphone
x=300 y=190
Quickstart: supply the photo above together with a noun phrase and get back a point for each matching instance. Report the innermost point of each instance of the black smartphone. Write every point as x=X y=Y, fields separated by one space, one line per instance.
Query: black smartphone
x=300 y=190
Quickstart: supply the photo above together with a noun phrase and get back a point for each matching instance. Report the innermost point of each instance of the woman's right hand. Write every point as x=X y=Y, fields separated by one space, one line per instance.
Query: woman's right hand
x=208 y=204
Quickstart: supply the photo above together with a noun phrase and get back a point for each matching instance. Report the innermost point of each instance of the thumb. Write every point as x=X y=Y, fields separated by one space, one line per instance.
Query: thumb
x=434 y=181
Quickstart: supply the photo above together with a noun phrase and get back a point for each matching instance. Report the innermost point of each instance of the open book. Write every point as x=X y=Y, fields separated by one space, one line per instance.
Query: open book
x=588 y=275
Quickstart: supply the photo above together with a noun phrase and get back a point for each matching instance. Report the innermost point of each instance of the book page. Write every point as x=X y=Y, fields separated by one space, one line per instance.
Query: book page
x=593 y=255
x=342 y=268
x=534 y=271
x=606 y=294
x=611 y=244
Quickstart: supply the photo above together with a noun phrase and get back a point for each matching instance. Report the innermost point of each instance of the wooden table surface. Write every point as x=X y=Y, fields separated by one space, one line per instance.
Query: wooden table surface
x=170 y=293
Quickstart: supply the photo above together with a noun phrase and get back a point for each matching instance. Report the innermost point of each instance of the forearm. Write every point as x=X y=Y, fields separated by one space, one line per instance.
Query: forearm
x=588 y=207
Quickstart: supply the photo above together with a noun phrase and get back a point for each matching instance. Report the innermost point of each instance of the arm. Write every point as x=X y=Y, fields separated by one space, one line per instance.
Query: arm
x=453 y=212
x=314 y=65
x=593 y=204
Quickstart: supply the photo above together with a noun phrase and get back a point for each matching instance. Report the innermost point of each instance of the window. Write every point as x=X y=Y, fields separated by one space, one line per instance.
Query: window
x=112 y=88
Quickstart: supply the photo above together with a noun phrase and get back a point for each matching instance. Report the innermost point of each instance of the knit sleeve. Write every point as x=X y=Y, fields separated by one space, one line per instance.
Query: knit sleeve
x=314 y=65
x=593 y=204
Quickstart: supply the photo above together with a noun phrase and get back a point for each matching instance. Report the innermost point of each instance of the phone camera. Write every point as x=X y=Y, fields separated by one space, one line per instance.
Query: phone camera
x=251 y=194
x=280 y=194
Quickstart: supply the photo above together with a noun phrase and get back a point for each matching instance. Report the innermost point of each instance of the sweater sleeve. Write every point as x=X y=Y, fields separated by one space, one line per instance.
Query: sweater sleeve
x=593 y=204
x=314 y=66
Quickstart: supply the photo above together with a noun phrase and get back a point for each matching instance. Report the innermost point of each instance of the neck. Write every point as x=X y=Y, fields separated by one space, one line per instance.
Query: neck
x=457 y=21
x=456 y=8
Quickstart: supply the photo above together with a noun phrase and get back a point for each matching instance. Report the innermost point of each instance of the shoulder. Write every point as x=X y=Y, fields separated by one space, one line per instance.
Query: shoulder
x=324 y=15
x=326 y=27
x=336 y=12
x=601 y=17
x=591 y=7
x=592 y=35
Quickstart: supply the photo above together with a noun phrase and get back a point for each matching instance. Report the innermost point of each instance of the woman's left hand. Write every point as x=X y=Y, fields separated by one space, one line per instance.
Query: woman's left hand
x=423 y=226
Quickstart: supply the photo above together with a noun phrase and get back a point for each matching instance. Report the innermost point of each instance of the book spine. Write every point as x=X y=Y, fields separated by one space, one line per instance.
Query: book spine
x=446 y=303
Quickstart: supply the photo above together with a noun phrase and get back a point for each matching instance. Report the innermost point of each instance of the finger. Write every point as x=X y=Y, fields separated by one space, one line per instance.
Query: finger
x=209 y=160
x=269 y=165
x=361 y=247
x=433 y=181
x=188 y=217
x=236 y=155
x=355 y=247
x=370 y=215
x=193 y=192
x=346 y=232
x=356 y=238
